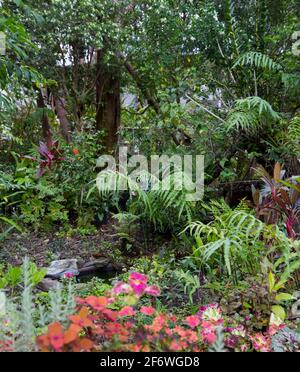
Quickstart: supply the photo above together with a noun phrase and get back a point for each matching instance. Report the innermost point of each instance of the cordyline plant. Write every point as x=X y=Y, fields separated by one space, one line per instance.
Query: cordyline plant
x=279 y=200
x=116 y=322
x=50 y=155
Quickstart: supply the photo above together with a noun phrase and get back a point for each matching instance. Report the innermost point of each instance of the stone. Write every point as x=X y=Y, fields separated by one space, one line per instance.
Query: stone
x=99 y=263
x=102 y=263
x=58 y=269
x=296 y=309
x=48 y=284
x=88 y=270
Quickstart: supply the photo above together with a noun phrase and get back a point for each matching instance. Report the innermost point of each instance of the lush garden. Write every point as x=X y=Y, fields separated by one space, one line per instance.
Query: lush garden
x=147 y=268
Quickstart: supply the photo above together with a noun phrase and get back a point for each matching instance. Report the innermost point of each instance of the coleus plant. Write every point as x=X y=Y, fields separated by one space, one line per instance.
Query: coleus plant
x=50 y=155
x=118 y=322
x=279 y=200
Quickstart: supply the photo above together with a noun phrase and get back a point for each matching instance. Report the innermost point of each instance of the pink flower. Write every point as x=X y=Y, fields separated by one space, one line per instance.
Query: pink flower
x=69 y=275
x=139 y=277
x=152 y=290
x=121 y=287
x=127 y=311
x=138 y=283
x=148 y=310
x=192 y=321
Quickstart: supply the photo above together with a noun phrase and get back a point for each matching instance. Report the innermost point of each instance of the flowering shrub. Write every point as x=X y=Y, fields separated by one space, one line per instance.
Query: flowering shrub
x=116 y=323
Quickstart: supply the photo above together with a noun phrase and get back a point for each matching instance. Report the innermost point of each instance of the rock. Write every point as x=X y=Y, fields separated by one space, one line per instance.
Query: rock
x=296 y=309
x=58 y=269
x=47 y=284
x=89 y=270
x=297 y=295
x=98 y=267
x=100 y=263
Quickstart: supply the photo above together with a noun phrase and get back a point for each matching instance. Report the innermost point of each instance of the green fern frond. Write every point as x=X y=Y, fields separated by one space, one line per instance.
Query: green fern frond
x=240 y=119
x=232 y=236
x=294 y=129
x=250 y=113
x=156 y=201
x=258 y=60
x=258 y=103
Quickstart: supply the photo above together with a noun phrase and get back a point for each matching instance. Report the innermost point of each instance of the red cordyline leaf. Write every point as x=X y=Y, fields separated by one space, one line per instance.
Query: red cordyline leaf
x=49 y=153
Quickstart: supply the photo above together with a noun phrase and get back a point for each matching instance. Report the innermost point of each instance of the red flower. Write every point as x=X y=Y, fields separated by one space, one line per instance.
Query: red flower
x=76 y=152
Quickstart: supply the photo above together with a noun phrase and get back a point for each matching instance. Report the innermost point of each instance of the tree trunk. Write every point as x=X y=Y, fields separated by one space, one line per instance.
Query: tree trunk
x=108 y=104
x=46 y=129
x=63 y=118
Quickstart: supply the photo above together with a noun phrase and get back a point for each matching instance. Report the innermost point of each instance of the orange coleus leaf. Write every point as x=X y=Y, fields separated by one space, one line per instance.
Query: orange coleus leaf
x=97 y=303
x=82 y=318
x=83 y=345
x=86 y=344
x=43 y=343
x=56 y=336
x=72 y=333
x=110 y=314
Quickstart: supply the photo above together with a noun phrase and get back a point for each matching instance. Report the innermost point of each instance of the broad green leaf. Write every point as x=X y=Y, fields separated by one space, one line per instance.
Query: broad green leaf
x=279 y=312
x=284 y=297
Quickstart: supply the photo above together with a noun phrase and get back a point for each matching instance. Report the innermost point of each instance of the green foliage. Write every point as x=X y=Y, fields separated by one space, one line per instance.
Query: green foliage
x=251 y=113
x=258 y=60
x=20 y=319
x=191 y=283
x=12 y=277
x=155 y=206
x=62 y=196
x=233 y=239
